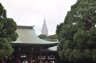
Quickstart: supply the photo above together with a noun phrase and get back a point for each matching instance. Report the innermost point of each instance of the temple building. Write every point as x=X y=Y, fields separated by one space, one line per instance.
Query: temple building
x=29 y=48
x=44 y=30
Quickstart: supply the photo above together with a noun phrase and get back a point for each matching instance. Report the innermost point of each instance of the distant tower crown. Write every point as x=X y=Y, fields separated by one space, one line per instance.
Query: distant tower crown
x=44 y=30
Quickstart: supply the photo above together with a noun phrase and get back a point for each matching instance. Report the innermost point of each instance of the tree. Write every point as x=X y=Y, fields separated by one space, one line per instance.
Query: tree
x=78 y=32
x=7 y=33
x=54 y=36
x=42 y=36
x=48 y=38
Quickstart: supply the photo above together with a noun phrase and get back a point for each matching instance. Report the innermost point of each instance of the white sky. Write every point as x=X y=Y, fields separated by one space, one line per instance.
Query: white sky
x=33 y=12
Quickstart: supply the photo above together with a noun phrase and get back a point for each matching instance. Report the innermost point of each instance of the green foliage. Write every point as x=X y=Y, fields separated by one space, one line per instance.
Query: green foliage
x=5 y=48
x=42 y=36
x=77 y=35
x=59 y=27
x=52 y=36
x=49 y=38
x=7 y=33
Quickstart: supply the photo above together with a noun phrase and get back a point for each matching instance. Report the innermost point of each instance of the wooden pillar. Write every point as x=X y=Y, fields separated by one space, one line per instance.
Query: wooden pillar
x=46 y=57
x=36 y=60
x=40 y=55
x=29 y=58
x=18 y=60
x=17 y=55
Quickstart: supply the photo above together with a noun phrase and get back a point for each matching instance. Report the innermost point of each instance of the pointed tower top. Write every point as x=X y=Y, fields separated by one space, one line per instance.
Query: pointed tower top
x=44 y=21
x=44 y=30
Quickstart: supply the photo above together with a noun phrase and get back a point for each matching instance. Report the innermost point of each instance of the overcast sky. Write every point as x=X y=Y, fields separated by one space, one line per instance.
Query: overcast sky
x=33 y=12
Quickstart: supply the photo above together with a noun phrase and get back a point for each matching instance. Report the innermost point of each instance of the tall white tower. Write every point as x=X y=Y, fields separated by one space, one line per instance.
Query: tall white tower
x=44 y=30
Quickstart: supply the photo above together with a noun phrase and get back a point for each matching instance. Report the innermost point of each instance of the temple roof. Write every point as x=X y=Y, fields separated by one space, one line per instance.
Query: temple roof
x=27 y=35
x=54 y=48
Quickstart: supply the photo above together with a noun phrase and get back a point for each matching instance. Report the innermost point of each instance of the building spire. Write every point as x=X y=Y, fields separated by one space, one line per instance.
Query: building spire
x=44 y=30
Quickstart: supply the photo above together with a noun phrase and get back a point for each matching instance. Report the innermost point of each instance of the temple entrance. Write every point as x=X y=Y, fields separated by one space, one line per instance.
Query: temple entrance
x=35 y=59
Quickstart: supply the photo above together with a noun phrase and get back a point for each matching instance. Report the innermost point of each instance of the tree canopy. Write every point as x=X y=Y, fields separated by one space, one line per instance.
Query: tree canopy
x=7 y=33
x=77 y=35
x=48 y=38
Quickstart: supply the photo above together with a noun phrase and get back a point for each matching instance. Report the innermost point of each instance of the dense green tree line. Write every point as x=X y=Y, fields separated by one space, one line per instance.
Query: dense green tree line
x=7 y=33
x=48 y=38
x=77 y=35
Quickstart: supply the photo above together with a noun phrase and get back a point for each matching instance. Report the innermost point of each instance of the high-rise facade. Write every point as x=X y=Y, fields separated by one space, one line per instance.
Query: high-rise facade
x=44 y=30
